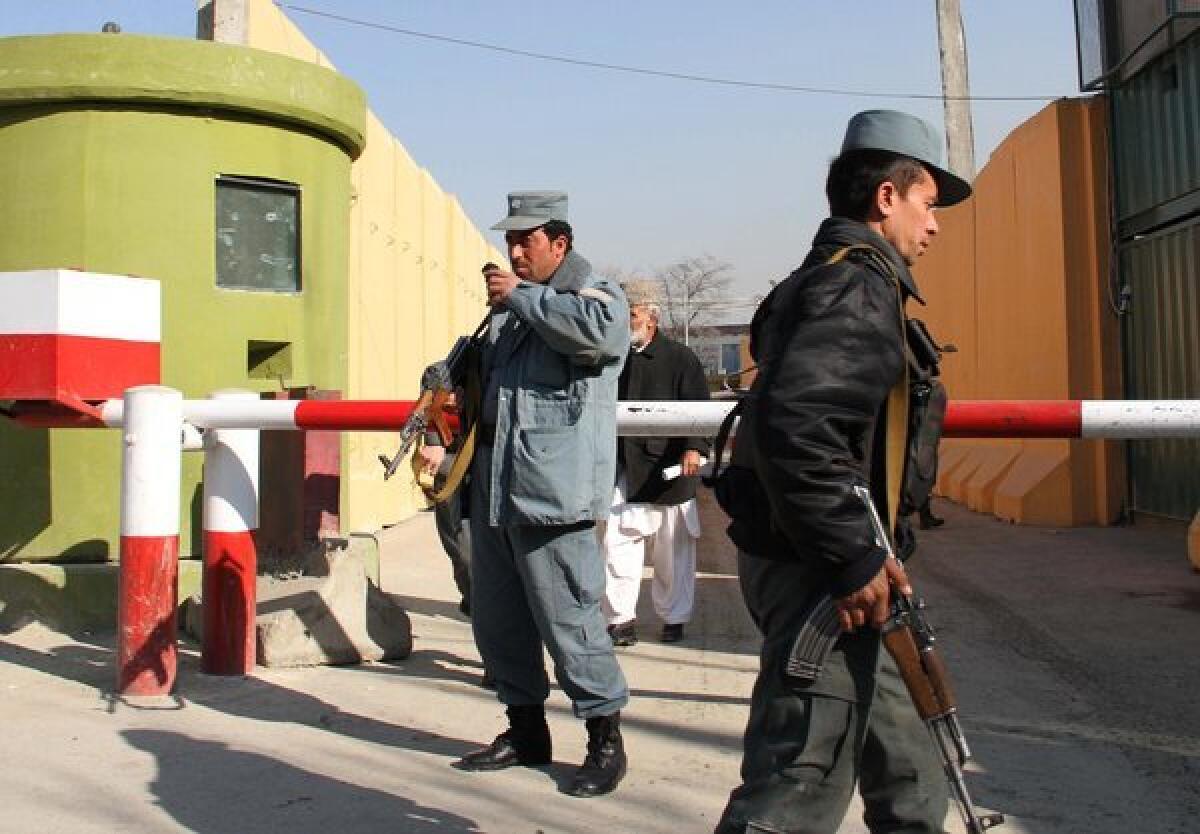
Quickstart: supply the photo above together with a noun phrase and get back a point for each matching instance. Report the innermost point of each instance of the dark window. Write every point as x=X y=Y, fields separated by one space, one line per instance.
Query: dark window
x=731 y=358
x=258 y=234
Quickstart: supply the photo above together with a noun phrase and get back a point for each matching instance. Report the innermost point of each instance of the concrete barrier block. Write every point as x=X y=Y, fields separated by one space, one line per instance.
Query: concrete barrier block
x=337 y=616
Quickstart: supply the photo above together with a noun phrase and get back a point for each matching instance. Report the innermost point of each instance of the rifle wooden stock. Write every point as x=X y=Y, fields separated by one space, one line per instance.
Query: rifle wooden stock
x=437 y=416
x=939 y=678
x=414 y=425
x=903 y=648
x=910 y=641
x=430 y=407
x=920 y=665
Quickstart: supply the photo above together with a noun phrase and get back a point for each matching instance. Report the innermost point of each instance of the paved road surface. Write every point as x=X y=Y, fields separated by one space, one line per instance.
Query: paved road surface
x=1076 y=654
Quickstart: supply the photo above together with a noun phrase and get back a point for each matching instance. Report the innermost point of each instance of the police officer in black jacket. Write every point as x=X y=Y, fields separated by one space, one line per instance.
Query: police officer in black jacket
x=826 y=413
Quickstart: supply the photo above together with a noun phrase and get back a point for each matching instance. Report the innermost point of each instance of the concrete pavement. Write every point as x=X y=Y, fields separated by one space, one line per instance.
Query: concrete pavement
x=1075 y=653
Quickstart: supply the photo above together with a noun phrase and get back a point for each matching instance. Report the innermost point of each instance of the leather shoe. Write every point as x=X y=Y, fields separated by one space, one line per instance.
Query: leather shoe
x=605 y=764
x=624 y=634
x=526 y=742
x=672 y=632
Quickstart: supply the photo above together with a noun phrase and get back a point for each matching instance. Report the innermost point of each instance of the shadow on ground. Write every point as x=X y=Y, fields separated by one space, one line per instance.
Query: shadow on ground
x=262 y=793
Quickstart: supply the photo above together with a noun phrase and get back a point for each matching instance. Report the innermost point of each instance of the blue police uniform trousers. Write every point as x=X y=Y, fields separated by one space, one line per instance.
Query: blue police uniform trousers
x=535 y=585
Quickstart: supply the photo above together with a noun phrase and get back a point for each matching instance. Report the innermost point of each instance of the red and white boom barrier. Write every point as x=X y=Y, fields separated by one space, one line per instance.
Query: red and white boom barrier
x=158 y=424
x=1115 y=419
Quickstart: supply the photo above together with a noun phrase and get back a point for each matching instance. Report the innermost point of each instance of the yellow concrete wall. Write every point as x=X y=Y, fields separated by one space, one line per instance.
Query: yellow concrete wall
x=413 y=285
x=1017 y=282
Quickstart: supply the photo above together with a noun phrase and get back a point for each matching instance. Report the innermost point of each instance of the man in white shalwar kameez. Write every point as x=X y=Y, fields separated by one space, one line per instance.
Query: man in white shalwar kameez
x=654 y=514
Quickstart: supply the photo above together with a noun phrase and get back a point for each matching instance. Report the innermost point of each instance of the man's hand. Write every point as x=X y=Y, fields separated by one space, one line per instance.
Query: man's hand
x=500 y=285
x=689 y=464
x=870 y=603
x=431 y=458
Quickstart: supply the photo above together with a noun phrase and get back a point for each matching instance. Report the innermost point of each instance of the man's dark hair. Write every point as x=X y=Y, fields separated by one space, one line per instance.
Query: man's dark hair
x=560 y=228
x=855 y=177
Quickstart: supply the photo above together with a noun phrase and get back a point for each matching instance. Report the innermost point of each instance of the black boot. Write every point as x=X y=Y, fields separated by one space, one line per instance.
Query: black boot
x=928 y=520
x=604 y=766
x=526 y=742
x=624 y=634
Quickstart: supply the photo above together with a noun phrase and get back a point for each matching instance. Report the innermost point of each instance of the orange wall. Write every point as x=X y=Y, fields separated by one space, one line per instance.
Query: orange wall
x=1017 y=282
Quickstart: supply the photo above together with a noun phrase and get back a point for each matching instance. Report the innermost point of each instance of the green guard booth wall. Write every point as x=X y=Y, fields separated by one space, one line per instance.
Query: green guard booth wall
x=110 y=146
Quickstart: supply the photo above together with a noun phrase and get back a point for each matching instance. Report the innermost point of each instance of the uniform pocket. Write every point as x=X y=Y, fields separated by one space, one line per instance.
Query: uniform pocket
x=547 y=473
x=581 y=587
x=812 y=734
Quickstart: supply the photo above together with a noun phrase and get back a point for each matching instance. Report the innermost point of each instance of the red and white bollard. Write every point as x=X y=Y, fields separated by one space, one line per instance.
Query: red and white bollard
x=230 y=557
x=148 y=589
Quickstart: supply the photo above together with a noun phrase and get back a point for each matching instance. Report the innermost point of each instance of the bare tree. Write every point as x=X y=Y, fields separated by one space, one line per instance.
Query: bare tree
x=618 y=275
x=693 y=290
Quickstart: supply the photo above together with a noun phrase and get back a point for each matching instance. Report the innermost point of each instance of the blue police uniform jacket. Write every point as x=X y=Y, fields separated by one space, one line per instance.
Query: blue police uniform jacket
x=550 y=368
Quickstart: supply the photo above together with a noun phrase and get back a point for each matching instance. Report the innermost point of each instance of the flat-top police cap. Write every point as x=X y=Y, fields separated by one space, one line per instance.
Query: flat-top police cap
x=530 y=209
x=904 y=134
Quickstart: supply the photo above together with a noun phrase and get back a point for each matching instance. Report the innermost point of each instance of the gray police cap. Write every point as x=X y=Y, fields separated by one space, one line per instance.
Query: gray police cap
x=901 y=133
x=530 y=209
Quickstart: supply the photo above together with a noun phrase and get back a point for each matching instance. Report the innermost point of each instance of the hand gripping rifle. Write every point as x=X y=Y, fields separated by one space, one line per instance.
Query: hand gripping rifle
x=909 y=638
x=437 y=387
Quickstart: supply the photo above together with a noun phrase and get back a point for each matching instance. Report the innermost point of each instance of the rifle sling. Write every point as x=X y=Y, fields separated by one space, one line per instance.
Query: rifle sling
x=458 y=469
x=897 y=401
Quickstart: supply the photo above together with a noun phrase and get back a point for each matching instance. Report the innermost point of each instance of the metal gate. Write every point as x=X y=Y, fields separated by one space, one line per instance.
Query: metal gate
x=1161 y=344
x=1155 y=135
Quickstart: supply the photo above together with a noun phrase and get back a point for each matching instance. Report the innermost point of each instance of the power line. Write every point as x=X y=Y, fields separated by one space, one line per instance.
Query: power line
x=678 y=76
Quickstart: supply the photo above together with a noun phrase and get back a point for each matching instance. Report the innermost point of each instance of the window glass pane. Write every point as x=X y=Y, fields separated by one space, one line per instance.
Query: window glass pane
x=731 y=359
x=258 y=245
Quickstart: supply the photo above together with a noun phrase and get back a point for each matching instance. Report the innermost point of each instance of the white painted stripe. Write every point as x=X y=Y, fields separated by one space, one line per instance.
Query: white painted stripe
x=1140 y=418
x=231 y=473
x=210 y=414
x=112 y=413
x=242 y=414
x=63 y=302
x=151 y=461
x=671 y=419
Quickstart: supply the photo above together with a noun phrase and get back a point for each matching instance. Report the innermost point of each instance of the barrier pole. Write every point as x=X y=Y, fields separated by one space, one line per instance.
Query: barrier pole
x=148 y=579
x=230 y=556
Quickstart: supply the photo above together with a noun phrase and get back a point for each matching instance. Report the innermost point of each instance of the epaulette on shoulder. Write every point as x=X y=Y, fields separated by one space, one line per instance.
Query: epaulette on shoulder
x=597 y=294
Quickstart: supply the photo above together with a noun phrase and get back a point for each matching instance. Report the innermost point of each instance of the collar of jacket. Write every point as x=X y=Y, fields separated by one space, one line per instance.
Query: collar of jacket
x=651 y=347
x=572 y=274
x=836 y=232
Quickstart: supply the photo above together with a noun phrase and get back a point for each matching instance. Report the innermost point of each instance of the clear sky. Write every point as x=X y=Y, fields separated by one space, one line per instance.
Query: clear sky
x=657 y=169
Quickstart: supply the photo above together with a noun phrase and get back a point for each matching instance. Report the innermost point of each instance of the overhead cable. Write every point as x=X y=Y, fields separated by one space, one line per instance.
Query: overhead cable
x=678 y=76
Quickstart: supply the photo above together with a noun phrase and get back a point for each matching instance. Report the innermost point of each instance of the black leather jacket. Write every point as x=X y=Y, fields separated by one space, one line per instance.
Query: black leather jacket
x=829 y=343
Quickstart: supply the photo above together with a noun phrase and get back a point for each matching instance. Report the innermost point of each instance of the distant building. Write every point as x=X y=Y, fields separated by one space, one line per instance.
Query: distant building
x=720 y=347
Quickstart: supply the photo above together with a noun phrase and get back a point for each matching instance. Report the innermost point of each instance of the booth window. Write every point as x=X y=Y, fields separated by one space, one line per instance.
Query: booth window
x=258 y=234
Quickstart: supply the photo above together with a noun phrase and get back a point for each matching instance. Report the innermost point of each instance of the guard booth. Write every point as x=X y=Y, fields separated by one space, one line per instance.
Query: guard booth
x=220 y=175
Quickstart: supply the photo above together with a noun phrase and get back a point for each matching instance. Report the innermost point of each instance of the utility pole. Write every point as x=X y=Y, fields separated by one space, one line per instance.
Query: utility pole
x=687 y=315
x=952 y=44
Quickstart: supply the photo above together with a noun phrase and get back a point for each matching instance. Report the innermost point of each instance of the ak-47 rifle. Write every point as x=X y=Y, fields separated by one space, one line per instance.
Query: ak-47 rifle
x=909 y=639
x=437 y=386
